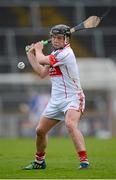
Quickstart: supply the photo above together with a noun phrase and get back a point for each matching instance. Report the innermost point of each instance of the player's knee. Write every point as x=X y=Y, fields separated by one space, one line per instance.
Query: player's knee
x=40 y=131
x=69 y=125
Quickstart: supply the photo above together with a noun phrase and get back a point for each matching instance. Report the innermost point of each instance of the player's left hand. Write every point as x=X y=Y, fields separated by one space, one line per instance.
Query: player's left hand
x=30 y=49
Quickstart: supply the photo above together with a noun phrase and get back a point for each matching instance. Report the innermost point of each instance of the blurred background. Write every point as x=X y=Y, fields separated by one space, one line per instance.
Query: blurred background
x=23 y=95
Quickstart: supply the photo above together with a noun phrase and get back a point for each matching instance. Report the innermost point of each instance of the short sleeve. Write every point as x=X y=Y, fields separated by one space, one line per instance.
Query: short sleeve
x=52 y=59
x=60 y=58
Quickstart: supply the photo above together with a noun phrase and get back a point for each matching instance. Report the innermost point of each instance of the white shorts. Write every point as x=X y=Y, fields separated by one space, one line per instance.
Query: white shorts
x=56 y=109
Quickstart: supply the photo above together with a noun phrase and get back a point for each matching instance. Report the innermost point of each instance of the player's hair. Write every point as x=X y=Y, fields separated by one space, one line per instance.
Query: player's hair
x=61 y=29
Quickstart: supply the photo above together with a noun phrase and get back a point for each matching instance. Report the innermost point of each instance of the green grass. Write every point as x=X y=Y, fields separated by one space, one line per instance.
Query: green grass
x=61 y=159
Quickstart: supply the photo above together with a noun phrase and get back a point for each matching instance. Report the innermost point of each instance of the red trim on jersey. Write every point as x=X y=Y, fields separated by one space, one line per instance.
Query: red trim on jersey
x=52 y=59
x=64 y=87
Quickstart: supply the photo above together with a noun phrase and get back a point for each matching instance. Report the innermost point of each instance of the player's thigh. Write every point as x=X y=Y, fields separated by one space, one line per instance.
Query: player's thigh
x=72 y=116
x=45 y=124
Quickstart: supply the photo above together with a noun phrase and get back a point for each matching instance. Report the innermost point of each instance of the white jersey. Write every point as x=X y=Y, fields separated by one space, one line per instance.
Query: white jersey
x=64 y=74
x=66 y=89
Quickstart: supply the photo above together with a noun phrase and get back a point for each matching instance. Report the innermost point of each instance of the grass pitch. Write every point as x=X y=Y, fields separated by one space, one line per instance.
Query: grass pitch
x=61 y=159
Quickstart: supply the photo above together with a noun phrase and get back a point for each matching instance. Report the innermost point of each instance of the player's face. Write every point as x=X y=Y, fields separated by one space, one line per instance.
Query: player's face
x=58 y=41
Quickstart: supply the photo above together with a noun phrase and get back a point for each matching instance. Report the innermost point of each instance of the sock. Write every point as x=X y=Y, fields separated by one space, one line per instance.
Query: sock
x=83 y=156
x=39 y=157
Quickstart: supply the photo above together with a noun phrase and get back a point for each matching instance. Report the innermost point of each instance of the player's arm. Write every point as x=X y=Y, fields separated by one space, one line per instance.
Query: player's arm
x=41 y=70
x=43 y=60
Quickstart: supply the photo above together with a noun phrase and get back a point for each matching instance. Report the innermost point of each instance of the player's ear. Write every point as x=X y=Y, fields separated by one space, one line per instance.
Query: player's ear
x=67 y=39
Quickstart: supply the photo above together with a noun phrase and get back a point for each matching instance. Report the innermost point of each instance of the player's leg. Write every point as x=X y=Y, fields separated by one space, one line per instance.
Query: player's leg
x=72 y=119
x=44 y=125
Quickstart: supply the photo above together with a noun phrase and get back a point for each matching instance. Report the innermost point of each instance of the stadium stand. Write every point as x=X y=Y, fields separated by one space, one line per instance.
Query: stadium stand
x=22 y=23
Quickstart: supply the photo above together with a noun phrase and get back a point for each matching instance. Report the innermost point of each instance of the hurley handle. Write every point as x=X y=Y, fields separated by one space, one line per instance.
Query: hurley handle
x=44 y=43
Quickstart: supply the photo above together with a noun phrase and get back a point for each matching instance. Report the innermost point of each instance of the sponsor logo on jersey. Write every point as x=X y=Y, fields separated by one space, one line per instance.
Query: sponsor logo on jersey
x=55 y=71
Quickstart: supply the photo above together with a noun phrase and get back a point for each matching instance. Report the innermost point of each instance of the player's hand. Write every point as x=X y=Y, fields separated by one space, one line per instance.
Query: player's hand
x=39 y=46
x=30 y=49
